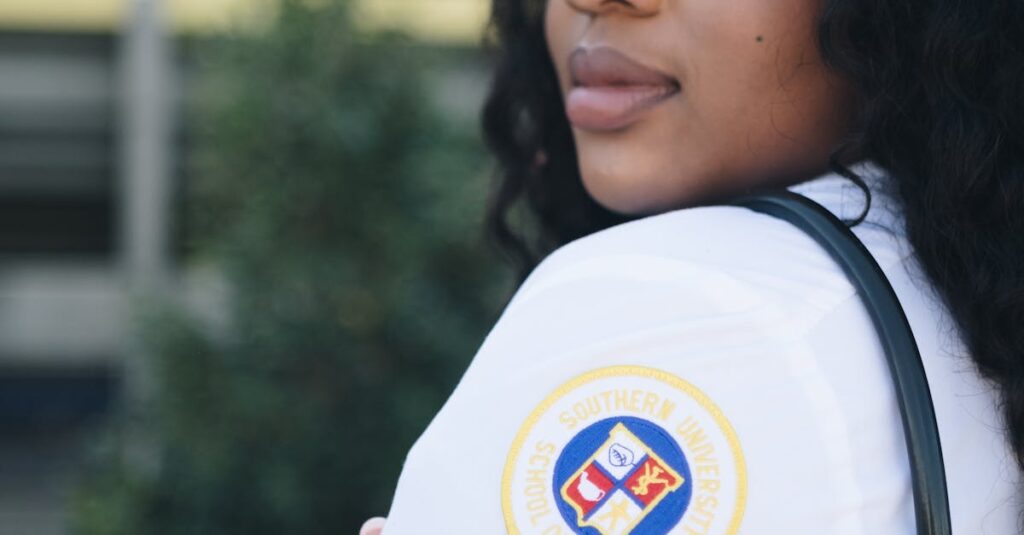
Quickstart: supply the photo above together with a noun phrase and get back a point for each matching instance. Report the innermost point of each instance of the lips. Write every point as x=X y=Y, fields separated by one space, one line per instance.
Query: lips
x=611 y=91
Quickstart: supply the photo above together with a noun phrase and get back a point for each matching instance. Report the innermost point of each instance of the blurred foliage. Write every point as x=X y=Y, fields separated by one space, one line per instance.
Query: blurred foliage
x=344 y=211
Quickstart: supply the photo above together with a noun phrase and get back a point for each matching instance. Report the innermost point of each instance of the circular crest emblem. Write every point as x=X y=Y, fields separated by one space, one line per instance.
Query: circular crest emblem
x=625 y=450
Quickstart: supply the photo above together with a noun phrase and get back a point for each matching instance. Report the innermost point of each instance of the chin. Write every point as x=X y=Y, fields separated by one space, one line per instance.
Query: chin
x=643 y=192
x=634 y=196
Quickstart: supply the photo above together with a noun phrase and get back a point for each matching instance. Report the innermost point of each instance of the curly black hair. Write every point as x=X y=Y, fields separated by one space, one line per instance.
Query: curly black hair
x=941 y=90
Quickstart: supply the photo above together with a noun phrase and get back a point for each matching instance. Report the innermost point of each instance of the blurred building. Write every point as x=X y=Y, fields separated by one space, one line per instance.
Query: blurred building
x=91 y=149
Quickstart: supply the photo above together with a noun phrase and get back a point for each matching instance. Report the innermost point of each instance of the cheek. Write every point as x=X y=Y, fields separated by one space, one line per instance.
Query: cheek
x=753 y=63
x=757 y=90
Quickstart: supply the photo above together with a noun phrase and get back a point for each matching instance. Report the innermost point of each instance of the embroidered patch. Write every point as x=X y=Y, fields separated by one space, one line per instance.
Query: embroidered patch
x=625 y=450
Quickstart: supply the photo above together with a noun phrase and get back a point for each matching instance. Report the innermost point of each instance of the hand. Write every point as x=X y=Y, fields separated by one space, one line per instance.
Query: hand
x=373 y=526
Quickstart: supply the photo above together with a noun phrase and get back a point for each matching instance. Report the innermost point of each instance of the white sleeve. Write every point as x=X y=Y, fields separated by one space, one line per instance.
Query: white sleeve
x=628 y=392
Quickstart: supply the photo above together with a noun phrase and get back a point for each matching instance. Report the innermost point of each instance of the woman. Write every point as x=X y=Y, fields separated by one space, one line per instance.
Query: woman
x=706 y=369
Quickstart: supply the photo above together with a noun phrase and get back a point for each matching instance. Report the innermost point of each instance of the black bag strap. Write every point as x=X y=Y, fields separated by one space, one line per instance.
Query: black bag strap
x=931 y=500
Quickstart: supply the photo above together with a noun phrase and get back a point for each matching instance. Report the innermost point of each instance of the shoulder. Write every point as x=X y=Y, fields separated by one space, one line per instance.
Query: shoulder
x=740 y=257
x=666 y=371
x=696 y=335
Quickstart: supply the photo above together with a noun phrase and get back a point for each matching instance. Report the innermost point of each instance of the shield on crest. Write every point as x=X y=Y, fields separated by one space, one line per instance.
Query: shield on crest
x=620 y=484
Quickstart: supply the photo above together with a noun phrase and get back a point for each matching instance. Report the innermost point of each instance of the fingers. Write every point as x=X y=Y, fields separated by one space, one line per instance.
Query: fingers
x=373 y=526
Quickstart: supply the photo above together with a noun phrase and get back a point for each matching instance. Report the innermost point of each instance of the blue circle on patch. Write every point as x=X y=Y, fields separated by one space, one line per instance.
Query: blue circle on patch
x=622 y=475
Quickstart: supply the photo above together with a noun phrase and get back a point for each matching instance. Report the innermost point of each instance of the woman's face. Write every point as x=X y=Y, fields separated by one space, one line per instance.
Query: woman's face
x=680 y=102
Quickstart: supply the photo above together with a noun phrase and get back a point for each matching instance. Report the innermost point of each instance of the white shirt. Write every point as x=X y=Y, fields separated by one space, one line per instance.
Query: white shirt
x=707 y=370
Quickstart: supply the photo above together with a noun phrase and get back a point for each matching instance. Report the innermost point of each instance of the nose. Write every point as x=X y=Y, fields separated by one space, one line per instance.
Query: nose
x=637 y=8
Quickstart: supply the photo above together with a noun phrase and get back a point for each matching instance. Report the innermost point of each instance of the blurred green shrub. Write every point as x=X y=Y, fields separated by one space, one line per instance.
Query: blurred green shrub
x=344 y=211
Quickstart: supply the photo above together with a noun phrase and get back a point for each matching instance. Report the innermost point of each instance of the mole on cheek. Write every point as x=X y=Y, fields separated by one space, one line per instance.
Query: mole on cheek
x=760 y=38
